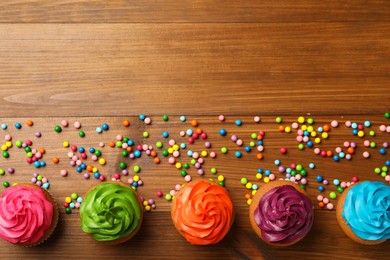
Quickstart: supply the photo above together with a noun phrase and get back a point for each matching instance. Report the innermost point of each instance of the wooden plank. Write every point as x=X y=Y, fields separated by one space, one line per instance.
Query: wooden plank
x=158 y=237
x=68 y=69
x=201 y=11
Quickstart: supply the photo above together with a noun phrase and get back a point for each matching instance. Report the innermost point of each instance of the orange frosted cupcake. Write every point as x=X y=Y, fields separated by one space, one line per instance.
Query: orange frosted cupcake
x=281 y=213
x=202 y=212
x=28 y=214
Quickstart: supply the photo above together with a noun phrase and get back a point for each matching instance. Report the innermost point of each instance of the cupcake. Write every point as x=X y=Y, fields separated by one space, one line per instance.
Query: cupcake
x=202 y=212
x=281 y=213
x=28 y=214
x=111 y=212
x=363 y=212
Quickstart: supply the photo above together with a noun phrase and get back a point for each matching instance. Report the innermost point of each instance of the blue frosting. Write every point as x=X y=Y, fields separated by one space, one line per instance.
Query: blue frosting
x=367 y=210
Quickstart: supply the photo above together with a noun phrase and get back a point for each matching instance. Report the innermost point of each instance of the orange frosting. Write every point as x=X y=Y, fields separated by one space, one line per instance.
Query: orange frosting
x=203 y=212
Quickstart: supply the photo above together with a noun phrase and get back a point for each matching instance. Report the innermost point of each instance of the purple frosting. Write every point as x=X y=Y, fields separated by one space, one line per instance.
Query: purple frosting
x=284 y=215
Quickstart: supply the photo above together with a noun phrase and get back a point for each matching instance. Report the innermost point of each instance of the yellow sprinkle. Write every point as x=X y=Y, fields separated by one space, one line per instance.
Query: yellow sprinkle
x=249 y=202
x=221 y=178
x=102 y=161
x=145 y=202
x=175 y=147
x=360 y=133
x=14 y=184
x=170 y=150
x=304 y=127
x=310 y=128
x=313 y=134
x=178 y=165
x=317 y=140
x=259 y=176
x=8 y=144
x=94 y=169
x=325 y=135
x=287 y=129
x=266 y=179
x=254 y=192
x=248 y=185
x=65 y=144
x=68 y=199
x=301 y=120
x=4 y=147
x=136 y=178
x=148 y=208
x=203 y=153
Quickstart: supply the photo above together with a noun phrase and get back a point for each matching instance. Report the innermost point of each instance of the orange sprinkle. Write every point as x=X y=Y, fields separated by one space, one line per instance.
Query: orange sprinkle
x=56 y=160
x=321 y=204
x=329 y=153
x=156 y=160
x=281 y=128
x=126 y=123
x=194 y=123
x=259 y=156
x=153 y=153
x=112 y=144
x=247 y=196
x=129 y=149
x=199 y=131
x=30 y=122
x=326 y=128
x=259 y=137
x=42 y=150
x=351 y=150
x=89 y=168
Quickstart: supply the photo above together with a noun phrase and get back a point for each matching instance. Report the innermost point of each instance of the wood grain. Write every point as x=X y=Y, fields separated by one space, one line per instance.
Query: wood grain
x=106 y=61
x=199 y=11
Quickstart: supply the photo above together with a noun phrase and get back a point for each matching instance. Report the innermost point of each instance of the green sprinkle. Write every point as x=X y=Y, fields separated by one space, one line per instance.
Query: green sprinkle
x=224 y=150
x=165 y=153
x=2 y=171
x=136 y=169
x=278 y=120
x=183 y=173
x=301 y=146
x=168 y=197
x=18 y=143
x=332 y=195
x=377 y=170
x=5 y=154
x=68 y=210
x=145 y=134
x=254 y=136
x=122 y=165
x=74 y=195
x=6 y=184
x=57 y=129
x=310 y=121
x=387 y=115
x=81 y=134
x=213 y=170
x=244 y=181
x=165 y=118
x=124 y=153
x=159 y=144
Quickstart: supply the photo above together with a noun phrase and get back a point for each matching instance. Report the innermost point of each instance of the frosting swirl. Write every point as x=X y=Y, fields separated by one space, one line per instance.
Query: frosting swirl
x=110 y=211
x=203 y=212
x=284 y=215
x=367 y=210
x=25 y=215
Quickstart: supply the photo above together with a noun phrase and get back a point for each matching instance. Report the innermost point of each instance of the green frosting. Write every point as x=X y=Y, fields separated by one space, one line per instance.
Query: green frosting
x=110 y=211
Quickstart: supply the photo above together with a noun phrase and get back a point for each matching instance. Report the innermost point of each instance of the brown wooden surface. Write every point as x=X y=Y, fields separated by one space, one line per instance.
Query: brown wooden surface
x=99 y=62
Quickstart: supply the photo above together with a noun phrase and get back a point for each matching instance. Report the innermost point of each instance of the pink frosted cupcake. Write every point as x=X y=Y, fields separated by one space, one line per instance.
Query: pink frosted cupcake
x=28 y=215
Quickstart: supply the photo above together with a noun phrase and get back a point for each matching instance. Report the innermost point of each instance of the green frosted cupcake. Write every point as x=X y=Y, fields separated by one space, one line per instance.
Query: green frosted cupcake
x=111 y=212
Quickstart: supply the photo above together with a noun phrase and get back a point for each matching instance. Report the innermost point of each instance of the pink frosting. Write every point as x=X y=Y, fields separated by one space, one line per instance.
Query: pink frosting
x=25 y=215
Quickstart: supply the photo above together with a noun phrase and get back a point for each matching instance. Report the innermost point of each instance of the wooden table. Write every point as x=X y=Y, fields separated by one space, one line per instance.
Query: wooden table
x=99 y=62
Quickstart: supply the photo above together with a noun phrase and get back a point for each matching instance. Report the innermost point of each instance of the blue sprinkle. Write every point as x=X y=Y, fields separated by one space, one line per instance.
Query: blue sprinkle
x=99 y=130
x=105 y=127
x=238 y=122
x=183 y=118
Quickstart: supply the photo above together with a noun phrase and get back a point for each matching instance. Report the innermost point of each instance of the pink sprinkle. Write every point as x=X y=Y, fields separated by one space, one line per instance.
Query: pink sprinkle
x=325 y=200
x=294 y=125
x=260 y=148
x=320 y=197
x=195 y=155
x=346 y=144
x=94 y=158
x=234 y=138
x=334 y=123
x=382 y=128
x=171 y=160
x=171 y=142
x=353 y=144
x=221 y=118
x=325 y=182
x=348 y=157
x=329 y=206
x=292 y=179
x=256 y=119
x=64 y=123
x=239 y=142
x=305 y=139
x=366 y=154
x=77 y=124
x=119 y=137
x=366 y=143
x=385 y=144
x=388 y=129
x=201 y=160
x=172 y=192
x=101 y=144
x=387 y=178
x=338 y=150
x=77 y=205
x=187 y=178
x=64 y=173
x=147 y=120
x=317 y=150
x=182 y=133
x=8 y=137
x=145 y=147
x=213 y=154
x=177 y=187
x=348 y=123
x=298 y=177
x=272 y=177
x=130 y=180
x=343 y=184
x=176 y=154
x=304 y=181
x=300 y=132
